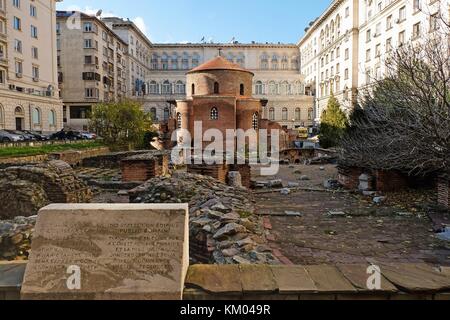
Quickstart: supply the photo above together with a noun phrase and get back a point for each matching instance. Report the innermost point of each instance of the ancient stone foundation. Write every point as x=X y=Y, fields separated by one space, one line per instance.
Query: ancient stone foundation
x=389 y=181
x=26 y=189
x=110 y=160
x=220 y=172
x=143 y=167
x=384 y=181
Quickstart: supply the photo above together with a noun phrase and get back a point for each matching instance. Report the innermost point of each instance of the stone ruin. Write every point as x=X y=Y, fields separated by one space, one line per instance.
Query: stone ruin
x=26 y=189
x=223 y=226
x=142 y=167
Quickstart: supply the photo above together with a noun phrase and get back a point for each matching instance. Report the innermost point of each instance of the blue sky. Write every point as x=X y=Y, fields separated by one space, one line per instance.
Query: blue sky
x=189 y=20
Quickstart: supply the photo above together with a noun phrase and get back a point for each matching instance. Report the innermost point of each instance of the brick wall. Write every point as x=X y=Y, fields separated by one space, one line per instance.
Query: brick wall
x=245 y=171
x=348 y=177
x=388 y=181
x=145 y=167
x=443 y=187
x=217 y=171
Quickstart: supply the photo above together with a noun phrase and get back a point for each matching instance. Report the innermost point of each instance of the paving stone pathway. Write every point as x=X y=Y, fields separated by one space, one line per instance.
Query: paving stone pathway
x=343 y=228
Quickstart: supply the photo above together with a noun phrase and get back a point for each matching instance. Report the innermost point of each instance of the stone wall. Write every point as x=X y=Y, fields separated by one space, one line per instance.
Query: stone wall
x=443 y=186
x=24 y=190
x=67 y=155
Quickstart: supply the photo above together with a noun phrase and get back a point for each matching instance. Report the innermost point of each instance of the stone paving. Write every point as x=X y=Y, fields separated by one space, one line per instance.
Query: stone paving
x=357 y=231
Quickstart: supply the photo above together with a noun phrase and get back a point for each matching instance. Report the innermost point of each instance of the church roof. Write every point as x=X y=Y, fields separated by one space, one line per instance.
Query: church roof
x=219 y=63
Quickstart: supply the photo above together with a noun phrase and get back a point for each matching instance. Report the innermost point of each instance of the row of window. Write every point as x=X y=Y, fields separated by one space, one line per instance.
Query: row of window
x=36 y=116
x=297 y=116
x=214 y=116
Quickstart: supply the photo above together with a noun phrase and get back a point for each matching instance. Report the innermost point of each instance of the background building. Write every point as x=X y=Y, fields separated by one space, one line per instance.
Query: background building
x=28 y=73
x=276 y=68
x=343 y=50
x=92 y=65
x=329 y=55
x=138 y=58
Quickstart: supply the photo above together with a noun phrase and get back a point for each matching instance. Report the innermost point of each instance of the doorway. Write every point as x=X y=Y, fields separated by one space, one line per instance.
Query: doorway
x=19 y=124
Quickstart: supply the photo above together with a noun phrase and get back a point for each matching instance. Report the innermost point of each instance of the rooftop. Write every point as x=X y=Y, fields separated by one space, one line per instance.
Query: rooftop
x=219 y=63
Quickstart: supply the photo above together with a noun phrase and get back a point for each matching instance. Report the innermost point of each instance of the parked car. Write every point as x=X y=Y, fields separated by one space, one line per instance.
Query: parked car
x=88 y=135
x=38 y=136
x=26 y=136
x=6 y=136
x=67 y=135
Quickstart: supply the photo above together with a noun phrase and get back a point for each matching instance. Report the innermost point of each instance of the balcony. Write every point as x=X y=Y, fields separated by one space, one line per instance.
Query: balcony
x=2 y=13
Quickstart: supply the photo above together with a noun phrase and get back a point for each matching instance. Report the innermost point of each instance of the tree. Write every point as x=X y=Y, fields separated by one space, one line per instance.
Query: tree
x=333 y=124
x=406 y=116
x=122 y=124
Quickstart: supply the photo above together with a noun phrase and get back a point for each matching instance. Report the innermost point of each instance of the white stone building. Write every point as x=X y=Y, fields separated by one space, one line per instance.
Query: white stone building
x=29 y=98
x=344 y=49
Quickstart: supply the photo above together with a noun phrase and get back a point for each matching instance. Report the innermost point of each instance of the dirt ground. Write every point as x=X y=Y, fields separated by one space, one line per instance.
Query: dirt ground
x=395 y=231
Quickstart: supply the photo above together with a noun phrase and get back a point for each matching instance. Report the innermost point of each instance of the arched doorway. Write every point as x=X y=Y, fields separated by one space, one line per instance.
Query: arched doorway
x=20 y=118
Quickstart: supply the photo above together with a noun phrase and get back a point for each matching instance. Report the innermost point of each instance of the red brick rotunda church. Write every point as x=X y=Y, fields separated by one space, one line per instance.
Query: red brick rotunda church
x=219 y=94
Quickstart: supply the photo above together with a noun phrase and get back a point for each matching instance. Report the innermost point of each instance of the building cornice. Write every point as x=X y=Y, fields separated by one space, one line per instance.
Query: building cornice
x=333 y=6
x=224 y=45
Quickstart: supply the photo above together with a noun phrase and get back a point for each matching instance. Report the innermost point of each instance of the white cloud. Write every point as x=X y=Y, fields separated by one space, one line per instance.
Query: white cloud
x=140 y=23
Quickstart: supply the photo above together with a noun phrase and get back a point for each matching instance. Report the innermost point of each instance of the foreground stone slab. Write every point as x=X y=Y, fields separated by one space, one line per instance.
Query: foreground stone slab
x=414 y=278
x=99 y=251
x=224 y=279
x=293 y=279
x=358 y=276
x=257 y=279
x=329 y=279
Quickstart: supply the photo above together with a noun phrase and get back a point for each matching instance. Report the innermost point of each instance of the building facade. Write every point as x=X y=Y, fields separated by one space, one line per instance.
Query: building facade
x=138 y=55
x=92 y=65
x=329 y=55
x=29 y=97
x=277 y=78
x=344 y=50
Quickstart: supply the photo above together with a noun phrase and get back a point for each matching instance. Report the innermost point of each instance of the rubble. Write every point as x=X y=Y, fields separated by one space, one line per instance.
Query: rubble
x=15 y=238
x=223 y=226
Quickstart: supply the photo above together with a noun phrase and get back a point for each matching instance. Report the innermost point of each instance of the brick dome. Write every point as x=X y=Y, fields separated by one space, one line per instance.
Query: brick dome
x=219 y=63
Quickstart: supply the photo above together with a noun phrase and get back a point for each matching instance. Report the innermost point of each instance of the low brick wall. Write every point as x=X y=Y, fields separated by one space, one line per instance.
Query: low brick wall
x=348 y=177
x=145 y=167
x=216 y=171
x=246 y=175
x=384 y=181
x=389 y=181
x=443 y=186
x=220 y=171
